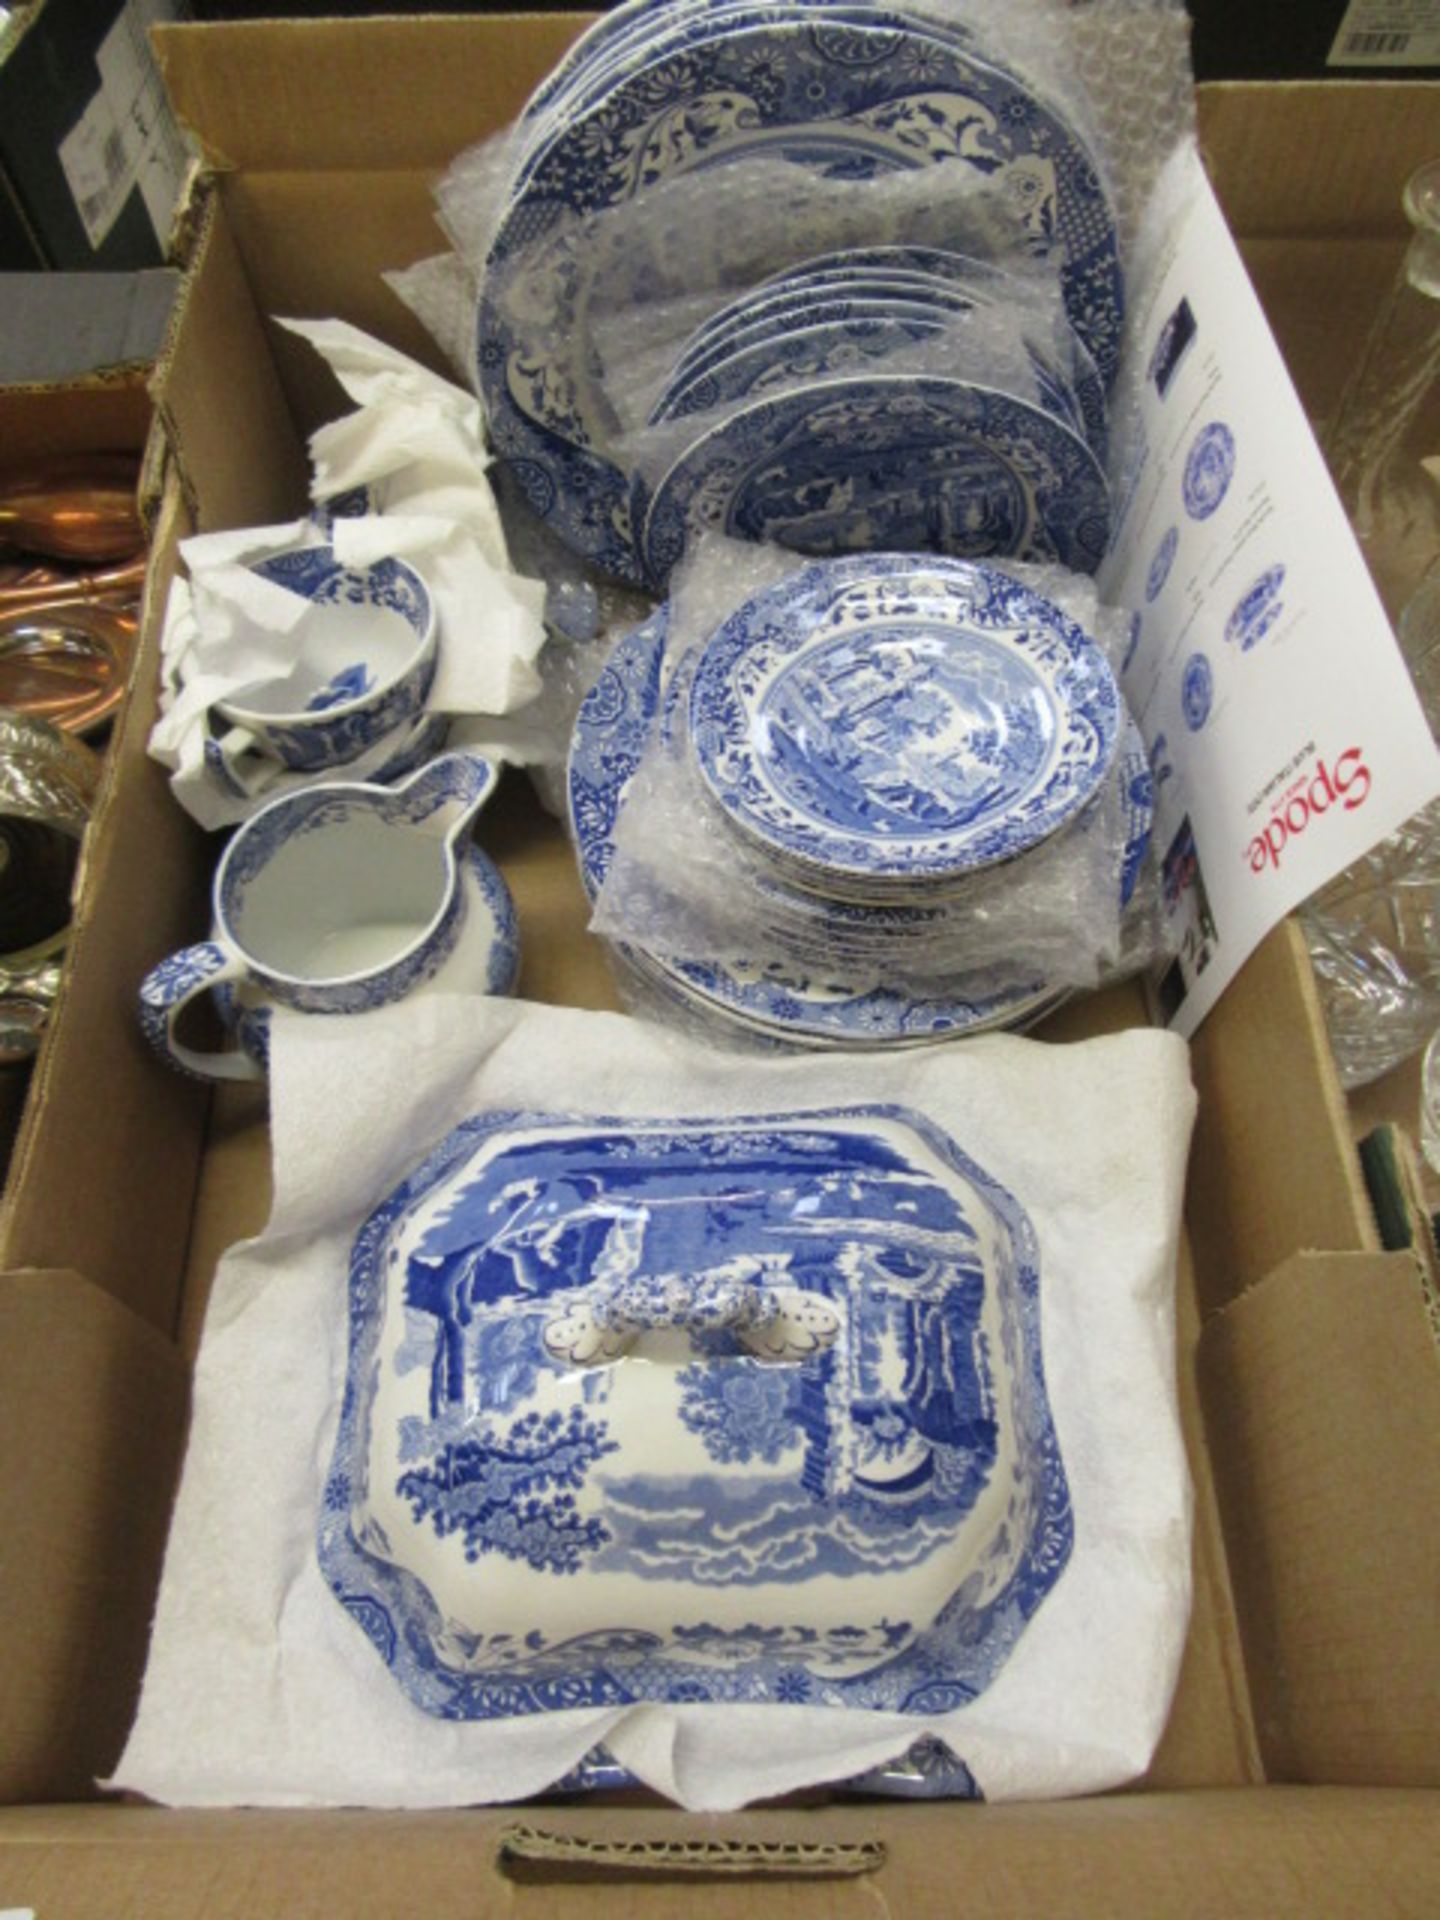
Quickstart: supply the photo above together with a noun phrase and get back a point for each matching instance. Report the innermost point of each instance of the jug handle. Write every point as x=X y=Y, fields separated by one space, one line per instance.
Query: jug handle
x=169 y=988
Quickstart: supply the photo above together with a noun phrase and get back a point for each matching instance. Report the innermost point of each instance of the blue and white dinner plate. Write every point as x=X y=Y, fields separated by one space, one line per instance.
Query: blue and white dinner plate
x=778 y=351
x=886 y=720
x=821 y=1008
x=885 y=462
x=821 y=95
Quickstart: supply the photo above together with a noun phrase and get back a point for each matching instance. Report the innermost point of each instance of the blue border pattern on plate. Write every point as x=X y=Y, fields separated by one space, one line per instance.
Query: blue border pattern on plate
x=611 y=731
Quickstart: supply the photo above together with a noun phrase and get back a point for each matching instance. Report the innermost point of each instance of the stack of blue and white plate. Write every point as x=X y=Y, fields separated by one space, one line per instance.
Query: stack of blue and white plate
x=879 y=736
x=813 y=425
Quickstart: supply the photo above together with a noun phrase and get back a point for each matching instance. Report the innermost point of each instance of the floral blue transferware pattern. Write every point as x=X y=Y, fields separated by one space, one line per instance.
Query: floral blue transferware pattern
x=879 y=1521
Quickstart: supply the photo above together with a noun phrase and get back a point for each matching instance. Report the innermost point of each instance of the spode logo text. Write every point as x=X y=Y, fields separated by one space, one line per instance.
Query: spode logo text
x=1343 y=785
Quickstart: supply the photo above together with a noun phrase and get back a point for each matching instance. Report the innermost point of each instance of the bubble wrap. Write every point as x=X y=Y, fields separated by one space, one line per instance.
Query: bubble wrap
x=1117 y=70
x=682 y=883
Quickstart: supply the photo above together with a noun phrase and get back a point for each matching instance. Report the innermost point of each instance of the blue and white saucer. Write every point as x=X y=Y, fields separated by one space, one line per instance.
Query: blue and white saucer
x=891 y=723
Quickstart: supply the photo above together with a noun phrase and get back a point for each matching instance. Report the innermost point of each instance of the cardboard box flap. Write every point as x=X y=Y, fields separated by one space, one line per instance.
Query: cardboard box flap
x=1292 y=158
x=313 y=97
x=1191 y=1856
x=104 y=1186
x=1321 y=1388
x=67 y=326
x=95 y=1405
x=238 y=457
x=1273 y=1170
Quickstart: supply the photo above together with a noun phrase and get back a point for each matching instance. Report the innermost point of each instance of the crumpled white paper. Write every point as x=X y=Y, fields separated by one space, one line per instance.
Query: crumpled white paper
x=261 y=1690
x=416 y=441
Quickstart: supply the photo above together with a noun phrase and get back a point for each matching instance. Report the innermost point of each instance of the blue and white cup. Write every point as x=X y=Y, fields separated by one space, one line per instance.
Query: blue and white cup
x=336 y=899
x=361 y=664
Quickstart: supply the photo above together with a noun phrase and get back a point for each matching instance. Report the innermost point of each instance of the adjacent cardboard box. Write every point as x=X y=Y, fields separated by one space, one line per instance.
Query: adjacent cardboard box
x=1297 y=1775
x=90 y=161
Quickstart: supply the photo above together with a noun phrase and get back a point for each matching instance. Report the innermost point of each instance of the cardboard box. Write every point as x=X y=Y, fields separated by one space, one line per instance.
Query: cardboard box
x=1298 y=1772
x=76 y=352
x=91 y=163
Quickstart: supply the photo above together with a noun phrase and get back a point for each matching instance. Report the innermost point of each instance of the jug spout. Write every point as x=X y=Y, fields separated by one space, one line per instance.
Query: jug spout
x=445 y=796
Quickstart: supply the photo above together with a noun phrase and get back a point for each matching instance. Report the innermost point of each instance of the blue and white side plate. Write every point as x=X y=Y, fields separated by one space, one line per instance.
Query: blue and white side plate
x=841 y=1003
x=841 y=1487
x=890 y=719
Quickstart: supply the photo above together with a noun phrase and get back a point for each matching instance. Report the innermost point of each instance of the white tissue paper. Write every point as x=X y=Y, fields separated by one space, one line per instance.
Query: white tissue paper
x=416 y=441
x=261 y=1690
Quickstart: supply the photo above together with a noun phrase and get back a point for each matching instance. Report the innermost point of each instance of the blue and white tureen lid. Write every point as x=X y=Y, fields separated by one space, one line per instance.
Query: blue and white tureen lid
x=695 y=1409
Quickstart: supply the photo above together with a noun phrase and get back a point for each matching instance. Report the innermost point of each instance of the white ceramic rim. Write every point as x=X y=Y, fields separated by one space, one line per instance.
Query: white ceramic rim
x=312 y=717
x=227 y=935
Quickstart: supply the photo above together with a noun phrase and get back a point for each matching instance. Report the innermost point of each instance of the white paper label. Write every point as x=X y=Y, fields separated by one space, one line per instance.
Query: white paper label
x=1388 y=33
x=1284 y=733
x=126 y=138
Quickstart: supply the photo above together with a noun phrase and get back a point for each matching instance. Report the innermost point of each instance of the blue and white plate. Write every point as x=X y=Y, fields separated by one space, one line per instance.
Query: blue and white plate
x=821 y=95
x=812 y=353
x=791 y=300
x=842 y=1486
x=880 y=463
x=887 y=719
x=822 y=1007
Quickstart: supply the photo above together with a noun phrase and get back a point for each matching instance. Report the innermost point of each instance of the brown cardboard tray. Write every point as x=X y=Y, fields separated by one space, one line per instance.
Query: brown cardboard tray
x=1299 y=1768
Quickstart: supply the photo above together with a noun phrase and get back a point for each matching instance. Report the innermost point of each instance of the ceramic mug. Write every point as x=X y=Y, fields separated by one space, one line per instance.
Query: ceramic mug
x=336 y=899
x=364 y=657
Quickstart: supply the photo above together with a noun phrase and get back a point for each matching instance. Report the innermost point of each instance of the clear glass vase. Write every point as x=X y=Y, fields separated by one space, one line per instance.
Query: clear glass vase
x=1374 y=931
x=1383 y=445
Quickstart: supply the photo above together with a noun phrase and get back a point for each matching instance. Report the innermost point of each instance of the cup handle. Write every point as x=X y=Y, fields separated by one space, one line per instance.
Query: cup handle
x=167 y=989
x=232 y=748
